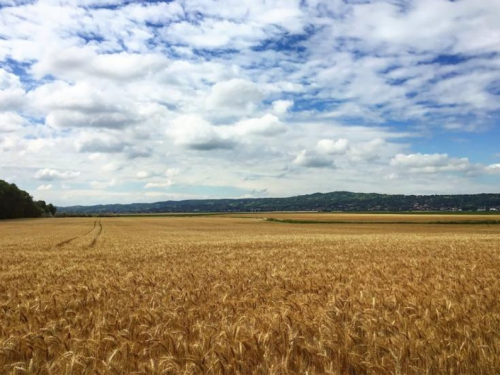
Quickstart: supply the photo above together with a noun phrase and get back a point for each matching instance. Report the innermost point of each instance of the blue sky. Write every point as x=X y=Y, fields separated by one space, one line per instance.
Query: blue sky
x=109 y=101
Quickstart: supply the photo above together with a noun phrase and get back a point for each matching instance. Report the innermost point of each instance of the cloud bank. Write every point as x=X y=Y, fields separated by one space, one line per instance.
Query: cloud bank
x=101 y=100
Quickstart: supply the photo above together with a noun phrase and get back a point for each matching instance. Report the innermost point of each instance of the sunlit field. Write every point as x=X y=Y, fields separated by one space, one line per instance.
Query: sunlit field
x=240 y=294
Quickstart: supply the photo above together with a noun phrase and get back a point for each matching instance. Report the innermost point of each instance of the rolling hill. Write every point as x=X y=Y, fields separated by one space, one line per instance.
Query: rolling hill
x=335 y=201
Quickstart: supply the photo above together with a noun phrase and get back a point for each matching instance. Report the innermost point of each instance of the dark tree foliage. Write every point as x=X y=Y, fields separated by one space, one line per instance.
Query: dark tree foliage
x=52 y=209
x=16 y=203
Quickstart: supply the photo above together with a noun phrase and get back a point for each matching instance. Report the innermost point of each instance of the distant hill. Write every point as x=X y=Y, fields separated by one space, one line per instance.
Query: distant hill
x=336 y=201
x=16 y=203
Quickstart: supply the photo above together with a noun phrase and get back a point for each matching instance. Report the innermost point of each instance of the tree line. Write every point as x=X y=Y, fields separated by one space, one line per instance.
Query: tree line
x=16 y=203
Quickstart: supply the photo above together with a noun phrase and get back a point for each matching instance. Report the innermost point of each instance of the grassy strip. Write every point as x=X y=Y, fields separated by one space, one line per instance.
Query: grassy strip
x=464 y=222
x=169 y=214
x=374 y=213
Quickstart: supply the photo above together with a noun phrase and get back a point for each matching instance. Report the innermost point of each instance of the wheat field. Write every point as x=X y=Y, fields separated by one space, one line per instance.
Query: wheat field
x=242 y=295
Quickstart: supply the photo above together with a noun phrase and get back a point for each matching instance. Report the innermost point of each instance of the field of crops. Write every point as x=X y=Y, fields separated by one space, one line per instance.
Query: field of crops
x=245 y=295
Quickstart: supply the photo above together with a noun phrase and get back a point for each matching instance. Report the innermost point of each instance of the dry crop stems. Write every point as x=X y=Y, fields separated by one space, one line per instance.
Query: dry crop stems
x=223 y=295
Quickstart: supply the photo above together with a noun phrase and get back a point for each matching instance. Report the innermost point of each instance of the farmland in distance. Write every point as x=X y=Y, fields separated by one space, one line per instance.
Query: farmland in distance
x=242 y=294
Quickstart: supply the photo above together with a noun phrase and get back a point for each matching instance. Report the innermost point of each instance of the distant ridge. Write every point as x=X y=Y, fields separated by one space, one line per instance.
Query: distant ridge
x=335 y=201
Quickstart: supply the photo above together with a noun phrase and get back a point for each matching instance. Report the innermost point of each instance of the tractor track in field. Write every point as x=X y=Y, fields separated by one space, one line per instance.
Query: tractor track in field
x=97 y=223
x=94 y=241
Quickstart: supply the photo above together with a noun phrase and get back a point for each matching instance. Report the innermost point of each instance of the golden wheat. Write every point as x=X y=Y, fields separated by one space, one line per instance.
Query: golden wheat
x=227 y=295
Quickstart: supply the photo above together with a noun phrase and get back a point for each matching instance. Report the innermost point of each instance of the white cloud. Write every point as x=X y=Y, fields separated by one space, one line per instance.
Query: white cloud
x=310 y=160
x=11 y=91
x=82 y=105
x=236 y=94
x=10 y=122
x=64 y=119
x=100 y=144
x=113 y=166
x=193 y=132
x=212 y=33
x=103 y=184
x=159 y=184
x=493 y=169
x=172 y=172
x=44 y=187
x=367 y=151
x=74 y=63
x=333 y=147
x=267 y=125
x=47 y=174
x=431 y=163
x=280 y=107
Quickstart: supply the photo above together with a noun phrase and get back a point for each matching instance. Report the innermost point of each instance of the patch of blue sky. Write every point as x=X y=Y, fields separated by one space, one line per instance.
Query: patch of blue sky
x=350 y=44
x=494 y=88
x=33 y=120
x=431 y=104
x=195 y=17
x=286 y=42
x=312 y=104
x=401 y=124
x=448 y=59
x=17 y=3
x=215 y=53
x=21 y=70
x=411 y=94
x=91 y=37
x=113 y=4
x=477 y=146
x=457 y=59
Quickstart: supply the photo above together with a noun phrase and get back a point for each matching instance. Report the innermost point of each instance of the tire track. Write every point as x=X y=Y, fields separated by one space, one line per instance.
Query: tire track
x=65 y=242
x=94 y=241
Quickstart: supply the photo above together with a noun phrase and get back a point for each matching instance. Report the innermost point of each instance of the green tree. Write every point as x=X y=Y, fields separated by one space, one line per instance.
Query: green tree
x=16 y=203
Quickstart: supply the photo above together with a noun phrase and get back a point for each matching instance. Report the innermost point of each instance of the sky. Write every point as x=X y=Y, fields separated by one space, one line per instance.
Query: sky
x=120 y=101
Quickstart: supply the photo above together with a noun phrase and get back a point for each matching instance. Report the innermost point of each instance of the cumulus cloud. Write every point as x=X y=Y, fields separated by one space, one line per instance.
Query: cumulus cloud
x=333 y=147
x=12 y=93
x=82 y=106
x=493 y=169
x=65 y=119
x=138 y=152
x=431 y=163
x=236 y=94
x=74 y=63
x=212 y=33
x=193 y=132
x=311 y=160
x=10 y=122
x=367 y=151
x=101 y=143
x=280 y=107
x=267 y=125
x=47 y=174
